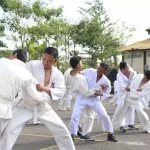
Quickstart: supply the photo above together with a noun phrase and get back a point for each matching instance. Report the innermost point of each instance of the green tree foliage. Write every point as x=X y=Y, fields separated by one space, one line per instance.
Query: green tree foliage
x=2 y=44
x=96 y=33
x=5 y=53
x=3 y=4
x=32 y=25
x=16 y=19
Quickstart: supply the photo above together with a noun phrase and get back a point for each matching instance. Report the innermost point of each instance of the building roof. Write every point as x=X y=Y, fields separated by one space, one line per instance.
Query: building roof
x=148 y=29
x=142 y=45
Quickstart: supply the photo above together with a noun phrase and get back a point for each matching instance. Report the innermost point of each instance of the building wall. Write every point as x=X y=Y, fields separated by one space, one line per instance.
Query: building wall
x=148 y=58
x=137 y=63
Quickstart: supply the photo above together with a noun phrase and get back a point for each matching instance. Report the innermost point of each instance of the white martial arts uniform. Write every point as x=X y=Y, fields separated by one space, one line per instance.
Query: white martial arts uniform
x=144 y=103
x=5 y=119
x=29 y=108
x=93 y=101
x=87 y=116
x=20 y=94
x=65 y=102
x=132 y=98
x=13 y=80
x=115 y=99
x=147 y=99
x=123 y=82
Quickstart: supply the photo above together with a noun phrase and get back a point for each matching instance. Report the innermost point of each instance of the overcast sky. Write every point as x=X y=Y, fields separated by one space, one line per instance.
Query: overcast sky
x=134 y=12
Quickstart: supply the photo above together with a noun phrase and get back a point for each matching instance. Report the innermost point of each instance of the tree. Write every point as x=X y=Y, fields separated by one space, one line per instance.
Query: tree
x=98 y=35
x=16 y=19
x=5 y=53
x=31 y=24
x=2 y=44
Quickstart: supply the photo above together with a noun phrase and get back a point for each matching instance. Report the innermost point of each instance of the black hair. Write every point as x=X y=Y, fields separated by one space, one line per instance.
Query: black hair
x=122 y=65
x=21 y=54
x=74 y=61
x=147 y=74
x=104 y=65
x=51 y=51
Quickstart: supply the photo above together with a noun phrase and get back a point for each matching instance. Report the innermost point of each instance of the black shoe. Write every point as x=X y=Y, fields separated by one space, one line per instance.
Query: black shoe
x=122 y=129
x=132 y=127
x=79 y=133
x=86 y=138
x=111 y=138
x=146 y=131
x=72 y=136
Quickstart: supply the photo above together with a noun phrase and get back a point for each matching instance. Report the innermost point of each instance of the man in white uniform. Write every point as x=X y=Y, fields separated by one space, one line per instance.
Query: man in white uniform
x=93 y=78
x=88 y=115
x=138 y=88
x=65 y=102
x=129 y=117
x=124 y=76
x=19 y=57
x=51 y=82
x=15 y=79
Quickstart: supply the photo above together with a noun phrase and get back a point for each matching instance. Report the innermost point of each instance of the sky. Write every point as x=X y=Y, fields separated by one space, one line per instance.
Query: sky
x=134 y=12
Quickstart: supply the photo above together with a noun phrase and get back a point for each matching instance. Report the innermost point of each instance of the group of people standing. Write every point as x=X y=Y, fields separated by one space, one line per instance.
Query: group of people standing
x=26 y=91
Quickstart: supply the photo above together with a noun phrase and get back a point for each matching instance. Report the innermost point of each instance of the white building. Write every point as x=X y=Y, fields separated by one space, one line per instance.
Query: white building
x=138 y=55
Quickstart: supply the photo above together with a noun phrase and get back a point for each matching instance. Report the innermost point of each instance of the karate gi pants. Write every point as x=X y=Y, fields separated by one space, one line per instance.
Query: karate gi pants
x=97 y=106
x=144 y=103
x=122 y=110
x=3 y=124
x=48 y=117
x=87 y=119
x=65 y=102
x=129 y=117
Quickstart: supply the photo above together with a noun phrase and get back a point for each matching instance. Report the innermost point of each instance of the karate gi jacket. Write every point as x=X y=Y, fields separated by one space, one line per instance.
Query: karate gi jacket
x=15 y=79
x=56 y=85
